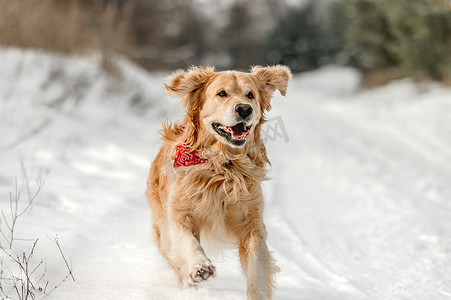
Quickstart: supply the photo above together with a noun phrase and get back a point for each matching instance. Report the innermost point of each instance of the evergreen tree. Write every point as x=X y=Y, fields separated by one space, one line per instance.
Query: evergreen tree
x=241 y=39
x=413 y=36
x=301 y=40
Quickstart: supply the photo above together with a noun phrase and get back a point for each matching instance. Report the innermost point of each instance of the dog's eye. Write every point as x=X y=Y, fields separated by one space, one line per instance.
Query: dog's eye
x=250 y=95
x=222 y=94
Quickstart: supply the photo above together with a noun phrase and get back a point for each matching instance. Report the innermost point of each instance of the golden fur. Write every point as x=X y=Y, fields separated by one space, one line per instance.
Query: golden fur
x=222 y=198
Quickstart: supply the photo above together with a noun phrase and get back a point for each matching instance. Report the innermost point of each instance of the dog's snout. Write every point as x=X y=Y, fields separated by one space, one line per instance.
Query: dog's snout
x=244 y=110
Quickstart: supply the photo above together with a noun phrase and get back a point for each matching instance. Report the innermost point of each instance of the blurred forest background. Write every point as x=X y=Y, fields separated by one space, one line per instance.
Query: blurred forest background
x=385 y=39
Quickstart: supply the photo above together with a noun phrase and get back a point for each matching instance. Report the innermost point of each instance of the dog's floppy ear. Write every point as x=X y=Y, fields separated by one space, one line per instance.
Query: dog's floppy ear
x=182 y=82
x=188 y=85
x=272 y=78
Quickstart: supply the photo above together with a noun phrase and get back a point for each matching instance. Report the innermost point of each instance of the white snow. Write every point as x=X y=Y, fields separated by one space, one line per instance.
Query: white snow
x=358 y=205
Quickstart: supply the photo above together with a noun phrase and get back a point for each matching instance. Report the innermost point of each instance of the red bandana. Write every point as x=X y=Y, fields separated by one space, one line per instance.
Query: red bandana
x=184 y=158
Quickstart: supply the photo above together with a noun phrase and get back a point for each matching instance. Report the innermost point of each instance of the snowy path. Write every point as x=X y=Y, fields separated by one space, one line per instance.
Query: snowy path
x=369 y=200
x=357 y=208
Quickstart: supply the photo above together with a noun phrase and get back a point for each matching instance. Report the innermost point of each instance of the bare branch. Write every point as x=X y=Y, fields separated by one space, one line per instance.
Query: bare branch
x=28 y=274
x=14 y=210
x=1 y=231
x=42 y=276
x=30 y=201
x=14 y=283
x=64 y=257
x=56 y=286
x=45 y=287
x=25 y=177
x=37 y=267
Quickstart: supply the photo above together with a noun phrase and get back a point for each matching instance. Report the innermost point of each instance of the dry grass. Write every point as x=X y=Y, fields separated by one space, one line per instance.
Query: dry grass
x=69 y=26
x=377 y=78
x=22 y=276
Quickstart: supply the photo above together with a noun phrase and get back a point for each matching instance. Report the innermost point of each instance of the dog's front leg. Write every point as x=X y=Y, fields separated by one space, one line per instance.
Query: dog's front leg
x=257 y=263
x=186 y=251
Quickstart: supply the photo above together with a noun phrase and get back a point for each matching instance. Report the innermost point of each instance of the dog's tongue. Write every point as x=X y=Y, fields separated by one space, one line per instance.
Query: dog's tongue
x=239 y=132
x=238 y=129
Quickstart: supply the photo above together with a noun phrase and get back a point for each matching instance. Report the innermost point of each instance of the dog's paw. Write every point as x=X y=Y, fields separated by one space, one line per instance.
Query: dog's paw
x=202 y=272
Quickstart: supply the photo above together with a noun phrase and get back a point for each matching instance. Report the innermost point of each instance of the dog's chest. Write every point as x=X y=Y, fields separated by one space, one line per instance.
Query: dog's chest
x=230 y=184
x=212 y=191
x=228 y=181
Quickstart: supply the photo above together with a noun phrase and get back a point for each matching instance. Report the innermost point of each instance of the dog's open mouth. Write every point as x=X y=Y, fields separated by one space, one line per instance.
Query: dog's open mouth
x=235 y=135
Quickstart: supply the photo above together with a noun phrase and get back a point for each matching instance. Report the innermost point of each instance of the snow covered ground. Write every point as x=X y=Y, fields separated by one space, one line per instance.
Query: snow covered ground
x=358 y=206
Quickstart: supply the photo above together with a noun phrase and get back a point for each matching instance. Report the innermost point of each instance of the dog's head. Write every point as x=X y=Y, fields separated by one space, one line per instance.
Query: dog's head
x=226 y=106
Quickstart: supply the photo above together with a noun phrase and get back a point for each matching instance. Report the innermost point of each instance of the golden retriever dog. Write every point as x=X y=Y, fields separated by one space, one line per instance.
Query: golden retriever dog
x=205 y=183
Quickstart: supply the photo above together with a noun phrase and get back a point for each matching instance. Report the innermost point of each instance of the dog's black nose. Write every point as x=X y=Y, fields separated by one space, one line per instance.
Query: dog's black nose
x=244 y=110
